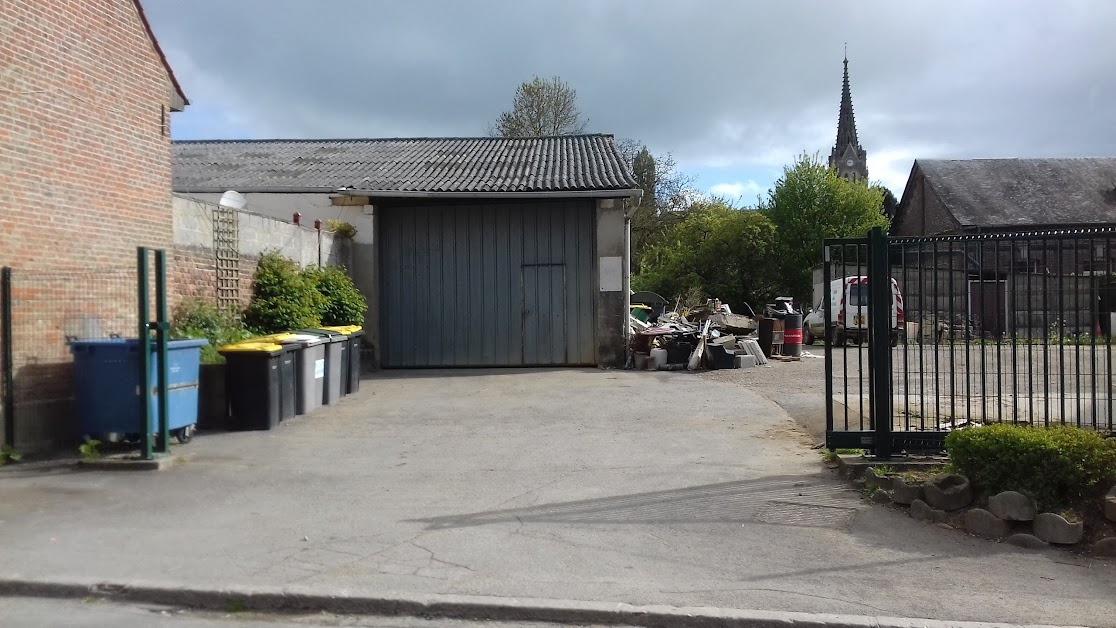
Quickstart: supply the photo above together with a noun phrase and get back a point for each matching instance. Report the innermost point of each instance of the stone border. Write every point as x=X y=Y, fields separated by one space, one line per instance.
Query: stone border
x=475 y=608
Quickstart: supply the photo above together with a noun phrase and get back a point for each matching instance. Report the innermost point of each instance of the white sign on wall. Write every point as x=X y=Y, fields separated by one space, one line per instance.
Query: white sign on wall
x=612 y=274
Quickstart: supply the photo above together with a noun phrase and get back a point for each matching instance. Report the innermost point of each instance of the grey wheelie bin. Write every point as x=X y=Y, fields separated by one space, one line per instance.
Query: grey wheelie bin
x=335 y=355
x=310 y=371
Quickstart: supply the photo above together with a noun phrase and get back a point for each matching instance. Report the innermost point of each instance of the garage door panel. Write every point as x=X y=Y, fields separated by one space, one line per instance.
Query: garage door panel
x=497 y=285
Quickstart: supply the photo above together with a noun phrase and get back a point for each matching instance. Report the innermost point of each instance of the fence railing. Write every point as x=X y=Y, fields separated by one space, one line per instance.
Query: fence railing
x=43 y=311
x=1013 y=328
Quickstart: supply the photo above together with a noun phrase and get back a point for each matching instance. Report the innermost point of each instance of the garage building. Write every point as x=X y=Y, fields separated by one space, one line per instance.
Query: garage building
x=472 y=251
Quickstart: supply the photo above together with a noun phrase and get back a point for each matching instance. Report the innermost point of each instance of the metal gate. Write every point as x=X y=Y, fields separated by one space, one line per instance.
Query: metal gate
x=502 y=284
x=993 y=328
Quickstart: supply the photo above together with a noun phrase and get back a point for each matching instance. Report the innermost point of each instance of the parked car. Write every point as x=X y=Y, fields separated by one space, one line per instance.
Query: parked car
x=849 y=313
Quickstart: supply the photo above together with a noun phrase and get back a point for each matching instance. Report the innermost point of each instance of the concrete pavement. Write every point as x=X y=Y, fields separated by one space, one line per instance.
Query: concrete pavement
x=641 y=488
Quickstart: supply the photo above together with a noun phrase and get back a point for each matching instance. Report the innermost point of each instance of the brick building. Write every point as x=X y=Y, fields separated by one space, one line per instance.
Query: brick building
x=968 y=196
x=85 y=177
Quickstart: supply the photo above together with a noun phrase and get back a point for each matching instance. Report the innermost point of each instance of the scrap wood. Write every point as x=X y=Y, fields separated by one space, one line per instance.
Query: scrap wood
x=699 y=350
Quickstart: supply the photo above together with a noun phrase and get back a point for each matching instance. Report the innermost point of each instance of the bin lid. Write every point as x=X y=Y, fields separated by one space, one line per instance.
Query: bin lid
x=308 y=340
x=182 y=343
x=280 y=337
x=344 y=329
x=327 y=335
x=252 y=347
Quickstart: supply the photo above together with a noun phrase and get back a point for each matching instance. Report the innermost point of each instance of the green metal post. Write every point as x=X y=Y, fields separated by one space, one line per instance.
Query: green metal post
x=144 y=347
x=879 y=340
x=828 y=333
x=8 y=362
x=162 y=331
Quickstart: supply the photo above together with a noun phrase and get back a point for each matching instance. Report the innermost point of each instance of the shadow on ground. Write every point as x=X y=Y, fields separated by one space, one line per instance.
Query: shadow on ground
x=784 y=500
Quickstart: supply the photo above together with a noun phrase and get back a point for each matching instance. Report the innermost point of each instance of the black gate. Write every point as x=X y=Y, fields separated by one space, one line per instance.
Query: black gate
x=992 y=328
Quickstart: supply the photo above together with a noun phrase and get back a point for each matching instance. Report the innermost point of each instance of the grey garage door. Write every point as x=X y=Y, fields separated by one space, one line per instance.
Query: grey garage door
x=488 y=285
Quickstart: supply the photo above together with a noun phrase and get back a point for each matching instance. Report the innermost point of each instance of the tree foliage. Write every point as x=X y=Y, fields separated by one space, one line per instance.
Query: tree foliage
x=283 y=297
x=666 y=191
x=712 y=251
x=809 y=204
x=541 y=107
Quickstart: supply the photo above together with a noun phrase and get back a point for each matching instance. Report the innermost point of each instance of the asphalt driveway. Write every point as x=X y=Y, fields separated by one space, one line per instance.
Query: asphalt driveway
x=647 y=488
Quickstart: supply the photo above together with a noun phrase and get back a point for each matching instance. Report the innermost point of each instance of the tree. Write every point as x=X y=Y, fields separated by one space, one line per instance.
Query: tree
x=890 y=203
x=712 y=251
x=541 y=107
x=809 y=204
x=665 y=193
x=646 y=225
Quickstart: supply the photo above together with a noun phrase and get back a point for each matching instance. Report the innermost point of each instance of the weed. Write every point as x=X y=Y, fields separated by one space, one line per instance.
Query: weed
x=235 y=606
x=7 y=454
x=89 y=450
x=1070 y=516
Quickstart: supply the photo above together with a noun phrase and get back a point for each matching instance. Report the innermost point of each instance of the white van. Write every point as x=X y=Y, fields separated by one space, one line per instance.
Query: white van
x=849 y=313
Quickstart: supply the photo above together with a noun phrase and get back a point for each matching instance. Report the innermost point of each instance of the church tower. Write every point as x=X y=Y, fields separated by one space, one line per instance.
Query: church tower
x=848 y=158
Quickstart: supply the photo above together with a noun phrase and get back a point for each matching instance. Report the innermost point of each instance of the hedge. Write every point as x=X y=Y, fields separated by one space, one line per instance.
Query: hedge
x=1059 y=467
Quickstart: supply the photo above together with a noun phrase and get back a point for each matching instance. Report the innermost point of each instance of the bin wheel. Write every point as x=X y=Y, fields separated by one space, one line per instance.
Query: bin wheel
x=183 y=434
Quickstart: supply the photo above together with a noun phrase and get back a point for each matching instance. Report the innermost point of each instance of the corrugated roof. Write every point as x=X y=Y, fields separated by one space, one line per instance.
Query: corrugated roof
x=1025 y=192
x=434 y=165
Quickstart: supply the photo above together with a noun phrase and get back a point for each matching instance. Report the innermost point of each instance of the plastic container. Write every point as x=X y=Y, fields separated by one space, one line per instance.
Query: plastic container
x=658 y=358
x=106 y=387
x=336 y=358
x=309 y=371
x=350 y=372
x=259 y=380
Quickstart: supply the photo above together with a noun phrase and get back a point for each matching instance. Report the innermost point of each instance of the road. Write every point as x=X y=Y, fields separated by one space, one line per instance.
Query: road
x=572 y=484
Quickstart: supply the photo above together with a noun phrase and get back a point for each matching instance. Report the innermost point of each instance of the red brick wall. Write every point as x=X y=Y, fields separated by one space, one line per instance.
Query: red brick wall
x=85 y=168
x=922 y=213
x=85 y=178
x=194 y=275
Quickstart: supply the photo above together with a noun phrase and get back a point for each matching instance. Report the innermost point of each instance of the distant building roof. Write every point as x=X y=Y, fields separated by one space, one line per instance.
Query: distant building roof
x=435 y=166
x=1025 y=192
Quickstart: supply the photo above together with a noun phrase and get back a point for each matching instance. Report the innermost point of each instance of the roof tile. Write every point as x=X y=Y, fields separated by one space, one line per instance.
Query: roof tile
x=568 y=163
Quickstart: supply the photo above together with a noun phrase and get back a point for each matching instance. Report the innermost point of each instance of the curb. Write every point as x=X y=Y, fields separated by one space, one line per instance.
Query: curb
x=477 y=608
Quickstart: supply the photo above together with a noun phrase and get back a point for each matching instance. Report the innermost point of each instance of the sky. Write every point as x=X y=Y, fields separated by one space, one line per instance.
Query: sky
x=733 y=90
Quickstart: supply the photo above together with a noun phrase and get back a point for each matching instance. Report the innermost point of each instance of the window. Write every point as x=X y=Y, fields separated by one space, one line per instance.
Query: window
x=858 y=294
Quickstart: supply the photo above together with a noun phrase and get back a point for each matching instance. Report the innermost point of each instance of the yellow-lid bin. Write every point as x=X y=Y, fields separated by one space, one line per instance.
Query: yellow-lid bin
x=344 y=329
x=261 y=347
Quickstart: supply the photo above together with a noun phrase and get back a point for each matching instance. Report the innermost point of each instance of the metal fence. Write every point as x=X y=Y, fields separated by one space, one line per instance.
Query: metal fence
x=42 y=312
x=998 y=328
x=45 y=311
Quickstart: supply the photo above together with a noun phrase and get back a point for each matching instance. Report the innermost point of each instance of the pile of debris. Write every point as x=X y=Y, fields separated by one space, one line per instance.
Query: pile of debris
x=706 y=336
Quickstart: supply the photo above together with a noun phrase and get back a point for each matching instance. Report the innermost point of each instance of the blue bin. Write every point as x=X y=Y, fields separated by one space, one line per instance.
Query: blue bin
x=106 y=386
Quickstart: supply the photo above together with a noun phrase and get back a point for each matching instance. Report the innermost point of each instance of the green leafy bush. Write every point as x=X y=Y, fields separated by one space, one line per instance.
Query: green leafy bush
x=1058 y=466
x=340 y=228
x=344 y=304
x=284 y=298
x=197 y=318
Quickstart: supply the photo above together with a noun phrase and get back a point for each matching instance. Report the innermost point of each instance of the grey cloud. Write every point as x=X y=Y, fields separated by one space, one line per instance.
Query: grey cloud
x=715 y=82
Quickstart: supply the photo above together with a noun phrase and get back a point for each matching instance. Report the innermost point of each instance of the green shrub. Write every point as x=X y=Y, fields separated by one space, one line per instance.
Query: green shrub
x=283 y=297
x=340 y=228
x=197 y=318
x=344 y=304
x=1058 y=466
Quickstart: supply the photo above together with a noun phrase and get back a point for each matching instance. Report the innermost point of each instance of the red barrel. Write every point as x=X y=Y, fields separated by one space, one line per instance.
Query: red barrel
x=792 y=335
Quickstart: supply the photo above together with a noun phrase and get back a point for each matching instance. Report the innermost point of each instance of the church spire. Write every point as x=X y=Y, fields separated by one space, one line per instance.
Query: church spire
x=847 y=156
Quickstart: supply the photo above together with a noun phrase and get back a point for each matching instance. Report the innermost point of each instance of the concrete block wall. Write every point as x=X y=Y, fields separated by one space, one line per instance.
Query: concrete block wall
x=612 y=304
x=195 y=267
